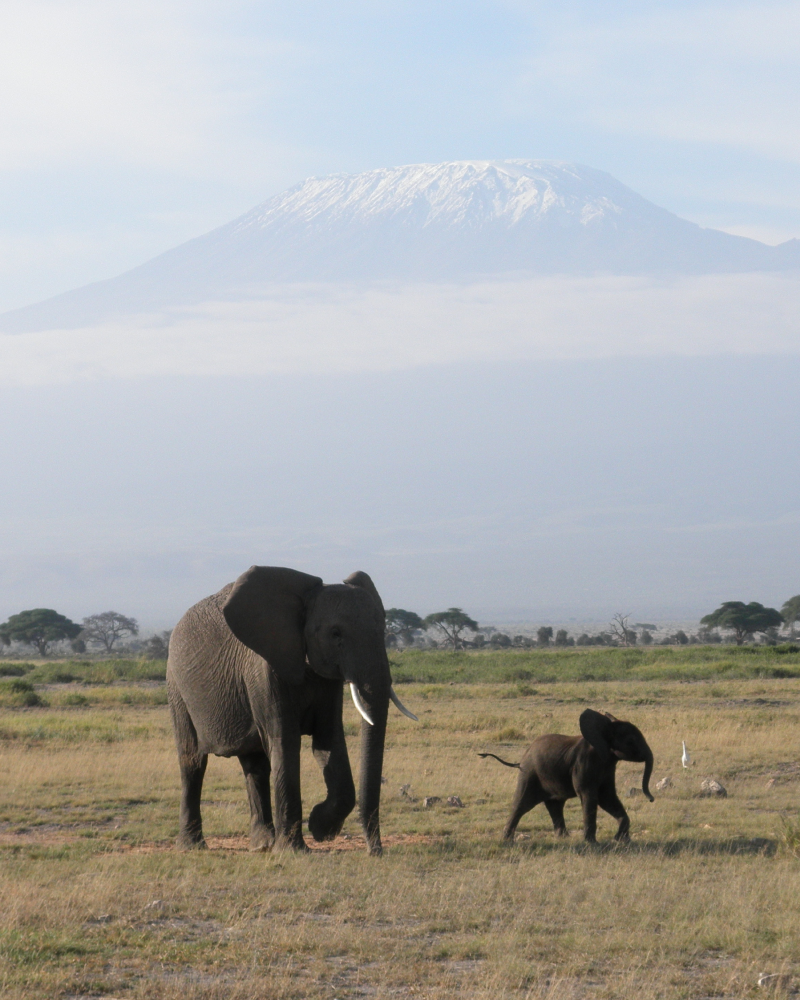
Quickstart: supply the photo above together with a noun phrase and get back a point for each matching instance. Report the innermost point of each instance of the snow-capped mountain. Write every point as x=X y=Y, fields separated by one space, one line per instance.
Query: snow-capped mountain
x=425 y=222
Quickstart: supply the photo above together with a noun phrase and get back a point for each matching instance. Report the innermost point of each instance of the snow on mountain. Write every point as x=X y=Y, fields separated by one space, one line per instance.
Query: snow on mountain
x=469 y=194
x=425 y=222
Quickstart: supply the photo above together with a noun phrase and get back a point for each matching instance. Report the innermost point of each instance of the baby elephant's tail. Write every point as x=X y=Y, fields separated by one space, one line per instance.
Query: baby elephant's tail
x=507 y=763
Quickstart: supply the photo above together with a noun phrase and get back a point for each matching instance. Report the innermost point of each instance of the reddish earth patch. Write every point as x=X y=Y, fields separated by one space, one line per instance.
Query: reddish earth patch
x=40 y=836
x=242 y=844
x=57 y=837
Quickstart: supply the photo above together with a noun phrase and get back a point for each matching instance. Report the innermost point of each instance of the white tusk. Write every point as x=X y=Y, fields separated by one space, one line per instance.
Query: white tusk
x=401 y=706
x=362 y=710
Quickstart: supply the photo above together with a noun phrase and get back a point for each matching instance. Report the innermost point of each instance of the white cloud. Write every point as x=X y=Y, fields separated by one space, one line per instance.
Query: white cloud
x=146 y=84
x=336 y=329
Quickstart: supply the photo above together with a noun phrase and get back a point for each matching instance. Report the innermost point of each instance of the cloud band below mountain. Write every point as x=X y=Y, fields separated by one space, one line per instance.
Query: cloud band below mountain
x=341 y=329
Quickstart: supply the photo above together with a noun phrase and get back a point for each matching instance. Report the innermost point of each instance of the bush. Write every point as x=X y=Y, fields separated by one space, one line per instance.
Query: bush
x=13 y=669
x=19 y=694
x=75 y=700
x=19 y=686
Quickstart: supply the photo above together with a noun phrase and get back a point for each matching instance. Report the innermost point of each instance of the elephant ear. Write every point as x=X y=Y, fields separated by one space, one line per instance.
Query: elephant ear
x=361 y=579
x=596 y=729
x=266 y=610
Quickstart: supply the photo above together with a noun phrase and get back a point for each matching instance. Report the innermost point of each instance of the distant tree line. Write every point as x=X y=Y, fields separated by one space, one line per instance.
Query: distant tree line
x=43 y=629
x=107 y=631
x=733 y=621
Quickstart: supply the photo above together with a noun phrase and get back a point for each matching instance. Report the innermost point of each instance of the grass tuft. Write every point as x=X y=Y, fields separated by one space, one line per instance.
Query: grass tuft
x=790 y=834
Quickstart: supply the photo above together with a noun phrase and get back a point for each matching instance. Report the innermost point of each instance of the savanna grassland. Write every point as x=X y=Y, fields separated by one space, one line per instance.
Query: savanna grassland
x=95 y=903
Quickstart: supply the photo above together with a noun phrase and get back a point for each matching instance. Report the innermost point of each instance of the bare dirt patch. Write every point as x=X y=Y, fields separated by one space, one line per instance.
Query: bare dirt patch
x=55 y=836
x=242 y=844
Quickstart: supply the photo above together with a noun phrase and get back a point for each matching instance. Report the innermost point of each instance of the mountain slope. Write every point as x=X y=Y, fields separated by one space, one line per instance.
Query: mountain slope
x=428 y=222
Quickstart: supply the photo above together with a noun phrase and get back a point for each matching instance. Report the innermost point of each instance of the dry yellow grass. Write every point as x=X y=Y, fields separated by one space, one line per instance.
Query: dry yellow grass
x=94 y=902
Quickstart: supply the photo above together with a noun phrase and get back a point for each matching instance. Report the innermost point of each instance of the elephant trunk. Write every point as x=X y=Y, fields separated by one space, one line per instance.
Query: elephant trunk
x=648 y=770
x=369 y=794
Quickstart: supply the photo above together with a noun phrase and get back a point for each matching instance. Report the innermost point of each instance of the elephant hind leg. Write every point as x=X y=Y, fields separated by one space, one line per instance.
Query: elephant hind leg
x=193 y=767
x=529 y=793
x=556 y=809
x=256 y=770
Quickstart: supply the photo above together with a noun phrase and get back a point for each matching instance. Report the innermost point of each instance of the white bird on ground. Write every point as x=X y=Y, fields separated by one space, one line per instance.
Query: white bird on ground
x=686 y=760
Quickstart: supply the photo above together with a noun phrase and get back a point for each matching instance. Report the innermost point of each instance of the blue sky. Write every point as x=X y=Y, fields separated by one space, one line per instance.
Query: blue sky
x=126 y=129
x=536 y=450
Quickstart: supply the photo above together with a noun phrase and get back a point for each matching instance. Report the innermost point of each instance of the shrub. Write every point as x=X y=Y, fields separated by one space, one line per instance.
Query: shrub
x=790 y=834
x=13 y=669
x=75 y=699
x=19 y=694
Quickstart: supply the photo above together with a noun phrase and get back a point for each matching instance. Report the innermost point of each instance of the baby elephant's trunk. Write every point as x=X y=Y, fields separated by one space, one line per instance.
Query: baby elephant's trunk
x=648 y=770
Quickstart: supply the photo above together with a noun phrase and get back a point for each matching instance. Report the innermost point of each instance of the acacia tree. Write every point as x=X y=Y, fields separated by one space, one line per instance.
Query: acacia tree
x=157 y=646
x=743 y=619
x=402 y=625
x=452 y=623
x=38 y=627
x=543 y=635
x=619 y=626
x=107 y=627
x=791 y=613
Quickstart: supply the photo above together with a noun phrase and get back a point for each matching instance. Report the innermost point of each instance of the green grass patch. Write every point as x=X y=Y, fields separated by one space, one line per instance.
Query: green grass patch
x=604 y=664
x=97 y=671
x=56 y=727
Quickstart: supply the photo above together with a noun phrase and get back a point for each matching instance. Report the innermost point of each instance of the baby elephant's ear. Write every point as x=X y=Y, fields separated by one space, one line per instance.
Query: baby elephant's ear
x=596 y=729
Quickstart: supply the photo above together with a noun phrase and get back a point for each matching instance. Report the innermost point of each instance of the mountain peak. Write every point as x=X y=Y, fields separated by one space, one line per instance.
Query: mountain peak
x=464 y=193
x=454 y=221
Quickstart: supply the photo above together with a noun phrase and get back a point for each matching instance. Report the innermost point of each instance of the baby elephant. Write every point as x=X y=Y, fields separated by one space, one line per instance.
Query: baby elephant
x=556 y=768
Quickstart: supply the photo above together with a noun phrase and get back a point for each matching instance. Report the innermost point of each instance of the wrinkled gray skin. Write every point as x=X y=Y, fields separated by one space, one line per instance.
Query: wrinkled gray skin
x=263 y=661
x=556 y=768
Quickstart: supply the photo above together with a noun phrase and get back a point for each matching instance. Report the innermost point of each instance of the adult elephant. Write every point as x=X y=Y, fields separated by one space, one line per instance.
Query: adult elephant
x=262 y=662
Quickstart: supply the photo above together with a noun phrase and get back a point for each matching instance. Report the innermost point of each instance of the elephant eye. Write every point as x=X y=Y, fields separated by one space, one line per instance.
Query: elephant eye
x=336 y=632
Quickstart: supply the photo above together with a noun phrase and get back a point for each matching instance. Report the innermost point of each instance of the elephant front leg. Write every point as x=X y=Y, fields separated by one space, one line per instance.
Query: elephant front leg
x=284 y=755
x=256 y=773
x=610 y=802
x=327 y=817
x=589 y=804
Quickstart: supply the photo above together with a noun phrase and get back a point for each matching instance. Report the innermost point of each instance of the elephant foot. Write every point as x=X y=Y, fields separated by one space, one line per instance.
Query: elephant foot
x=186 y=843
x=291 y=844
x=322 y=824
x=261 y=839
x=375 y=850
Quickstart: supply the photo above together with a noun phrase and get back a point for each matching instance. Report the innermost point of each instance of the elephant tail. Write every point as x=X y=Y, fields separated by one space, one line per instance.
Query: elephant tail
x=506 y=762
